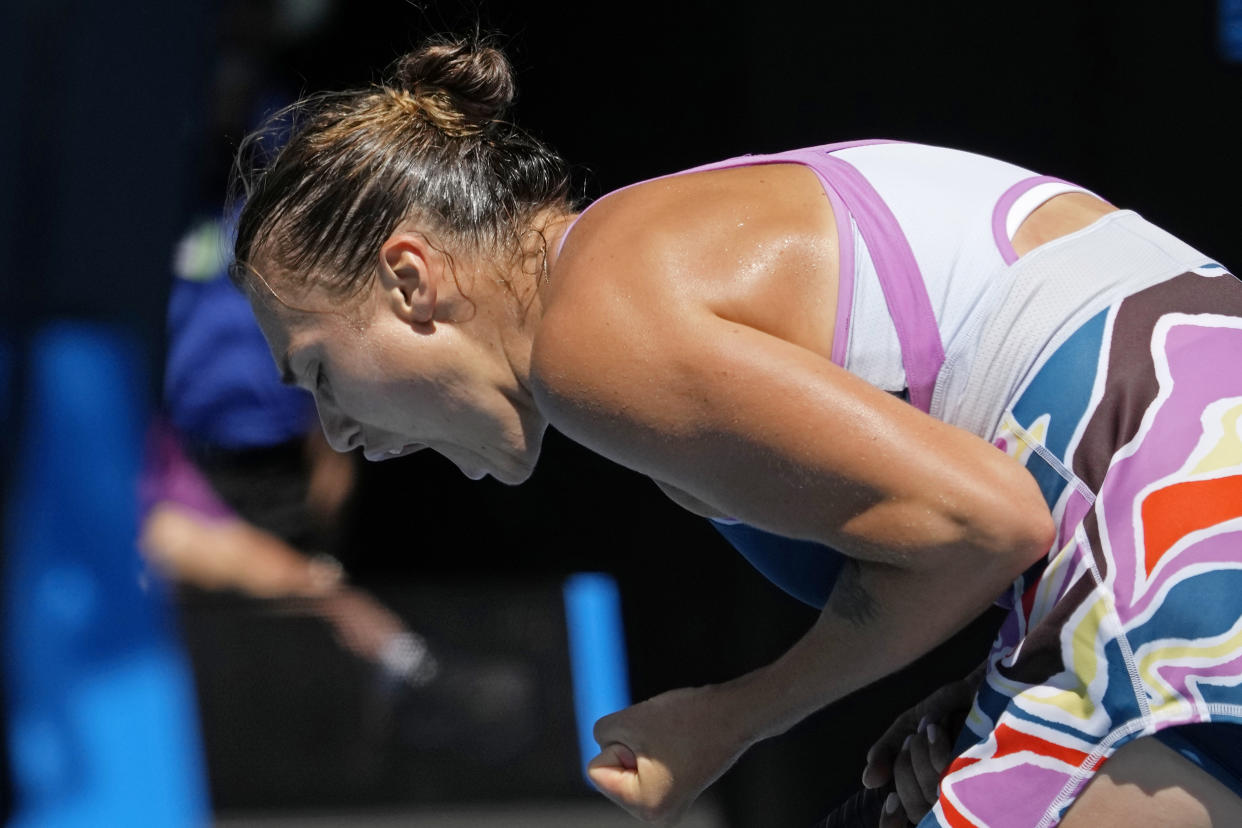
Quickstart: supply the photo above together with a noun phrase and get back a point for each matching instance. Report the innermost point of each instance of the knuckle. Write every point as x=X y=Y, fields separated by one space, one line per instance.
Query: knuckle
x=601 y=727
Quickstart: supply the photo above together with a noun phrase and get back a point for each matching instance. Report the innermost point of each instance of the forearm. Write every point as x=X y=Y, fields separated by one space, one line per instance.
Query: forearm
x=656 y=756
x=228 y=553
x=878 y=619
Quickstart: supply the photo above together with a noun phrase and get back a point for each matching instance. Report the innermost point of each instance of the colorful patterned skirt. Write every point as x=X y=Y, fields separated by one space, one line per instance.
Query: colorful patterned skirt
x=1132 y=426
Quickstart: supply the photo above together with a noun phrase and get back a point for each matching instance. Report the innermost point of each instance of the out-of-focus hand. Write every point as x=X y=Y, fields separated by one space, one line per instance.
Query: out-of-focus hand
x=913 y=753
x=658 y=756
x=230 y=554
x=362 y=624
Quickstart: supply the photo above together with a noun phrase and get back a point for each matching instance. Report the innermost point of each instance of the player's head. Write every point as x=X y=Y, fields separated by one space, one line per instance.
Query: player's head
x=388 y=247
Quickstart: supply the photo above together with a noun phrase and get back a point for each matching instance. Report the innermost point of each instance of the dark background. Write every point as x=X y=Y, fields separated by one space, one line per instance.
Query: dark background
x=105 y=153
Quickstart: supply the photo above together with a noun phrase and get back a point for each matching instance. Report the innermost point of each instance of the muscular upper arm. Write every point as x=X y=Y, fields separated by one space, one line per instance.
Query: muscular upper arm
x=761 y=429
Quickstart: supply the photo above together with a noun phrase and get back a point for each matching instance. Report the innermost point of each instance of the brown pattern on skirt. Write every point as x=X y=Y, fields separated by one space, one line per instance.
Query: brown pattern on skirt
x=1130 y=388
x=1131 y=384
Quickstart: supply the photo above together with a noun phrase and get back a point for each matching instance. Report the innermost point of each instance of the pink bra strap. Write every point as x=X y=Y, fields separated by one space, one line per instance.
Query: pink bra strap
x=922 y=353
x=1000 y=214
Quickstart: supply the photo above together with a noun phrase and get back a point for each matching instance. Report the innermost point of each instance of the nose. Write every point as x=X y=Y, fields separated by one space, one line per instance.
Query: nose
x=342 y=433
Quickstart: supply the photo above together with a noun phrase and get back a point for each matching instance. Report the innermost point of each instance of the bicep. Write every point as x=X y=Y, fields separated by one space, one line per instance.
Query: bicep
x=778 y=436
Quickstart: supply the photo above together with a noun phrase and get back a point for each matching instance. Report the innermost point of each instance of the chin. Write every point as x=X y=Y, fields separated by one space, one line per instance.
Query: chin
x=517 y=472
x=511 y=476
x=514 y=479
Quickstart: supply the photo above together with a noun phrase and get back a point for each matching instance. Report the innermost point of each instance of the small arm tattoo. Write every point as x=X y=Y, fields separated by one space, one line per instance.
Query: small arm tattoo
x=850 y=599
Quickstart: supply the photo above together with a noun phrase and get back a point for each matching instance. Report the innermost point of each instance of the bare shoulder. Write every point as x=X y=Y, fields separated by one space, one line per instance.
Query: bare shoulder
x=755 y=245
x=717 y=234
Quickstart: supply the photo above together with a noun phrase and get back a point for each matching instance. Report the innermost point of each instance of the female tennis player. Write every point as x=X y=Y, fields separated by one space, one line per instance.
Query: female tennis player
x=976 y=383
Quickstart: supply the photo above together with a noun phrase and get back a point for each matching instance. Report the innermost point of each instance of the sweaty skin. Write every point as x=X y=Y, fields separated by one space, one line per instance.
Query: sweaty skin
x=685 y=334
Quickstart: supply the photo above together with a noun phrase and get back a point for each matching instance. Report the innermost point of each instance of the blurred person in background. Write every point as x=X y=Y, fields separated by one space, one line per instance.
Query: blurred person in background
x=242 y=493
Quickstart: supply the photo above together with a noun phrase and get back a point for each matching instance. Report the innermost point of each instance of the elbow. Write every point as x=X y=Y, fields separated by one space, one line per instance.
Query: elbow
x=1003 y=517
x=1034 y=537
x=1026 y=532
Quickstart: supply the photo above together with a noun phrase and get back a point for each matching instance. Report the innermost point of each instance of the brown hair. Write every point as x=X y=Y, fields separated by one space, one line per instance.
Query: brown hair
x=429 y=141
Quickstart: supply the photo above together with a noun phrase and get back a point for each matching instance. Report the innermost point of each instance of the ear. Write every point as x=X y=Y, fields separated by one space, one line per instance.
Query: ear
x=410 y=271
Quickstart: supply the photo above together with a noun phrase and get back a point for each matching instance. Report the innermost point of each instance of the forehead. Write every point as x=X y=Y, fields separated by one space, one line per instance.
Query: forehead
x=285 y=328
x=277 y=324
x=305 y=318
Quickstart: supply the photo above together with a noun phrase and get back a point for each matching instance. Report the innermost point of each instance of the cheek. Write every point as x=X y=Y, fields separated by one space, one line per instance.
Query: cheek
x=392 y=405
x=348 y=394
x=362 y=376
x=366 y=401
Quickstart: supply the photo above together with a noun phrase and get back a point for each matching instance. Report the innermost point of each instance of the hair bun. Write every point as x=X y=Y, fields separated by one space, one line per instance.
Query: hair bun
x=478 y=78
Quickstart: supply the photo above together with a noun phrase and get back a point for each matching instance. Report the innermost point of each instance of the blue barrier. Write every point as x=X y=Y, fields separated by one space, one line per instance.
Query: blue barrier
x=102 y=727
x=596 y=653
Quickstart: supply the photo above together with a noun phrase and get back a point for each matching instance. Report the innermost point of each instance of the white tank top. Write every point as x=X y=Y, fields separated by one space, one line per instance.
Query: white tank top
x=946 y=202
